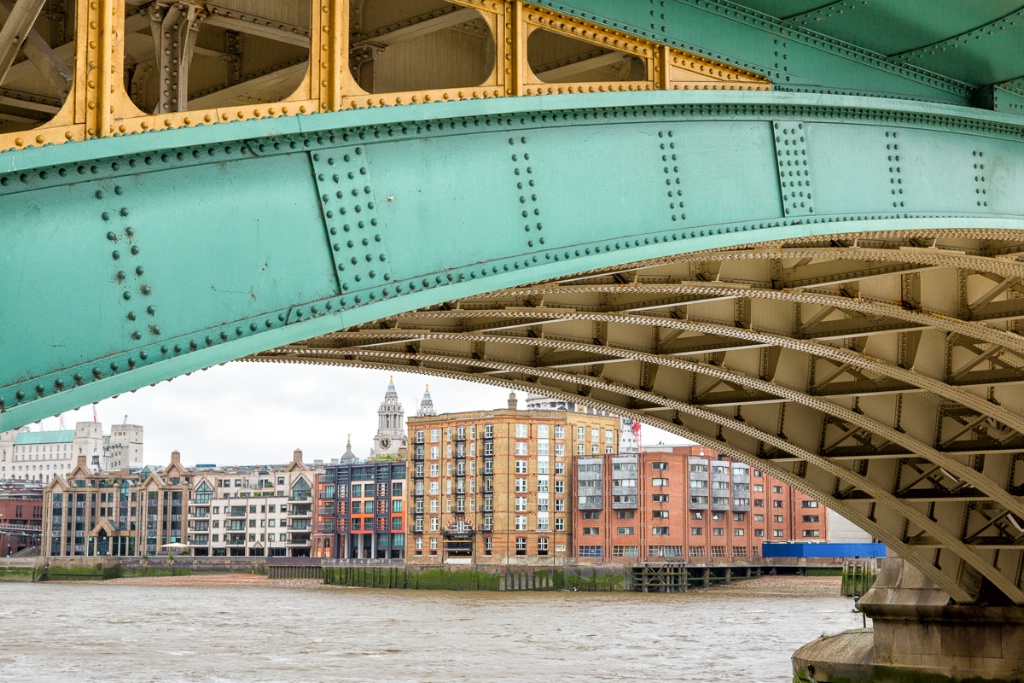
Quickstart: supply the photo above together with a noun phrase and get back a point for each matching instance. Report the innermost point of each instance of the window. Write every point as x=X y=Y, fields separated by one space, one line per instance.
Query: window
x=559 y=469
x=520 y=467
x=777 y=533
x=659 y=482
x=609 y=437
x=521 y=523
x=488 y=431
x=434 y=505
x=357 y=507
x=542 y=546
x=396 y=523
x=696 y=531
x=810 y=519
x=718 y=531
x=624 y=530
x=559 y=505
x=758 y=518
x=624 y=514
x=433 y=544
x=659 y=465
x=559 y=432
x=434 y=488
x=759 y=533
x=591 y=531
x=809 y=504
x=434 y=471
x=811 y=533
x=435 y=452
x=739 y=516
x=580 y=433
x=659 y=514
x=697 y=551
x=520 y=504
x=759 y=502
x=776 y=503
x=697 y=515
x=435 y=435
x=559 y=450
x=589 y=551
x=396 y=505
x=520 y=486
x=758 y=488
x=591 y=514
x=737 y=532
x=521 y=448
x=659 y=530
x=559 y=523
x=521 y=431
x=433 y=524
x=776 y=489
x=659 y=497
x=778 y=519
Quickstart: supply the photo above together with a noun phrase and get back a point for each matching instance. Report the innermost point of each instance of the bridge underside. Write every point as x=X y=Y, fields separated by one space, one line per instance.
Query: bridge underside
x=880 y=372
x=801 y=251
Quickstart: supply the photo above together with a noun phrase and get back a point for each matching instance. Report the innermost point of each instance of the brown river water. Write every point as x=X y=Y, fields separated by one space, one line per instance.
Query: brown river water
x=255 y=630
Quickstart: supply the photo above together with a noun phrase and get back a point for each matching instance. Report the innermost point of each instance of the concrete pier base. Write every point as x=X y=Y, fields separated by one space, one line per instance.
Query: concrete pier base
x=917 y=636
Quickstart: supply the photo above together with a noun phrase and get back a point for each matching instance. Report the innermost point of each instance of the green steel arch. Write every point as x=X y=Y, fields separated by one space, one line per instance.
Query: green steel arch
x=137 y=259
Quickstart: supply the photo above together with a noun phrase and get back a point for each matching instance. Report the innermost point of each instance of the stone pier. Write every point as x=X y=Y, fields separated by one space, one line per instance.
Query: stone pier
x=918 y=636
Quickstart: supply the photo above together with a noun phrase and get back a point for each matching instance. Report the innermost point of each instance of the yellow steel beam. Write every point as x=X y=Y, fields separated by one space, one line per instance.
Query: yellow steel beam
x=99 y=106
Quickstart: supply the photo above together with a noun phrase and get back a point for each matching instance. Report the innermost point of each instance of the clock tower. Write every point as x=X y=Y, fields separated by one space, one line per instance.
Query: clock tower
x=391 y=434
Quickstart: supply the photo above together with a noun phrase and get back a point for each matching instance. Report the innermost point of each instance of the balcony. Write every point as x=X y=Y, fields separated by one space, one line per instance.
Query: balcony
x=300 y=511
x=236 y=512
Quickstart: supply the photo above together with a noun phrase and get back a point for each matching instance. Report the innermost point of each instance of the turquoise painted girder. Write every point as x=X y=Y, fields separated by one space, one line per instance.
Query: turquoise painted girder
x=249 y=236
x=940 y=50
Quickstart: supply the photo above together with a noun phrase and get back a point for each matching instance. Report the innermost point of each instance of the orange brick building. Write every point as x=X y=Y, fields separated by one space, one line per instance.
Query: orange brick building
x=686 y=503
x=496 y=485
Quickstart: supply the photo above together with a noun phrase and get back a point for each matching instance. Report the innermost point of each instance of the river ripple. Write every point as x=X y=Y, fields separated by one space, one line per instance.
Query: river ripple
x=288 y=632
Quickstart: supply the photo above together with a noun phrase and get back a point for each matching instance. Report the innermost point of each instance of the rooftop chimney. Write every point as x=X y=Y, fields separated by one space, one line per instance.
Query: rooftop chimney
x=175 y=458
x=513 y=402
x=297 y=456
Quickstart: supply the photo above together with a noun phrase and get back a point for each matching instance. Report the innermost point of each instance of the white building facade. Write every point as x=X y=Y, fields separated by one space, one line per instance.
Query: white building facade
x=252 y=511
x=42 y=456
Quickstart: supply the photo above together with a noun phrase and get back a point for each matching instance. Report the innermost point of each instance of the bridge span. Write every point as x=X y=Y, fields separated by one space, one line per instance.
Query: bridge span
x=763 y=226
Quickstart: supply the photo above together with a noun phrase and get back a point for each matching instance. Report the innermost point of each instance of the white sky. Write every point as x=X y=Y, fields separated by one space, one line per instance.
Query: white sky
x=258 y=413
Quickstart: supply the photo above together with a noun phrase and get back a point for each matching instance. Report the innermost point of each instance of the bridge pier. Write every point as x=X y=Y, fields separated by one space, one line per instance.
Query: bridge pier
x=918 y=636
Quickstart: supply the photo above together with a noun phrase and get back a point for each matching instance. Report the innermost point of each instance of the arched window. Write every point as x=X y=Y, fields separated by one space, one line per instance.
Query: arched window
x=300 y=489
x=204 y=493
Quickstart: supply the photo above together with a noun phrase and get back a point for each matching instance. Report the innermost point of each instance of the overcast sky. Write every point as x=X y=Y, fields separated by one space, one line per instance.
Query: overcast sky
x=258 y=413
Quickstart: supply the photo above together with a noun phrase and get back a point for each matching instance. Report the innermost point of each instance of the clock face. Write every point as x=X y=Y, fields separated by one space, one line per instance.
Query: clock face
x=385 y=442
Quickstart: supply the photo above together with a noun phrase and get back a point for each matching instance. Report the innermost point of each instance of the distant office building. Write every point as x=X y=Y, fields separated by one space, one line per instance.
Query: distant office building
x=21 y=516
x=685 y=503
x=842 y=530
x=252 y=511
x=495 y=485
x=360 y=509
x=41 y=456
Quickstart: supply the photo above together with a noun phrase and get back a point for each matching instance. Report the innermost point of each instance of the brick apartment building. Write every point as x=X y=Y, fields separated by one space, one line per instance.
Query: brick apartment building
x=496 y=485
x=21 y=516
x=687 y=503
